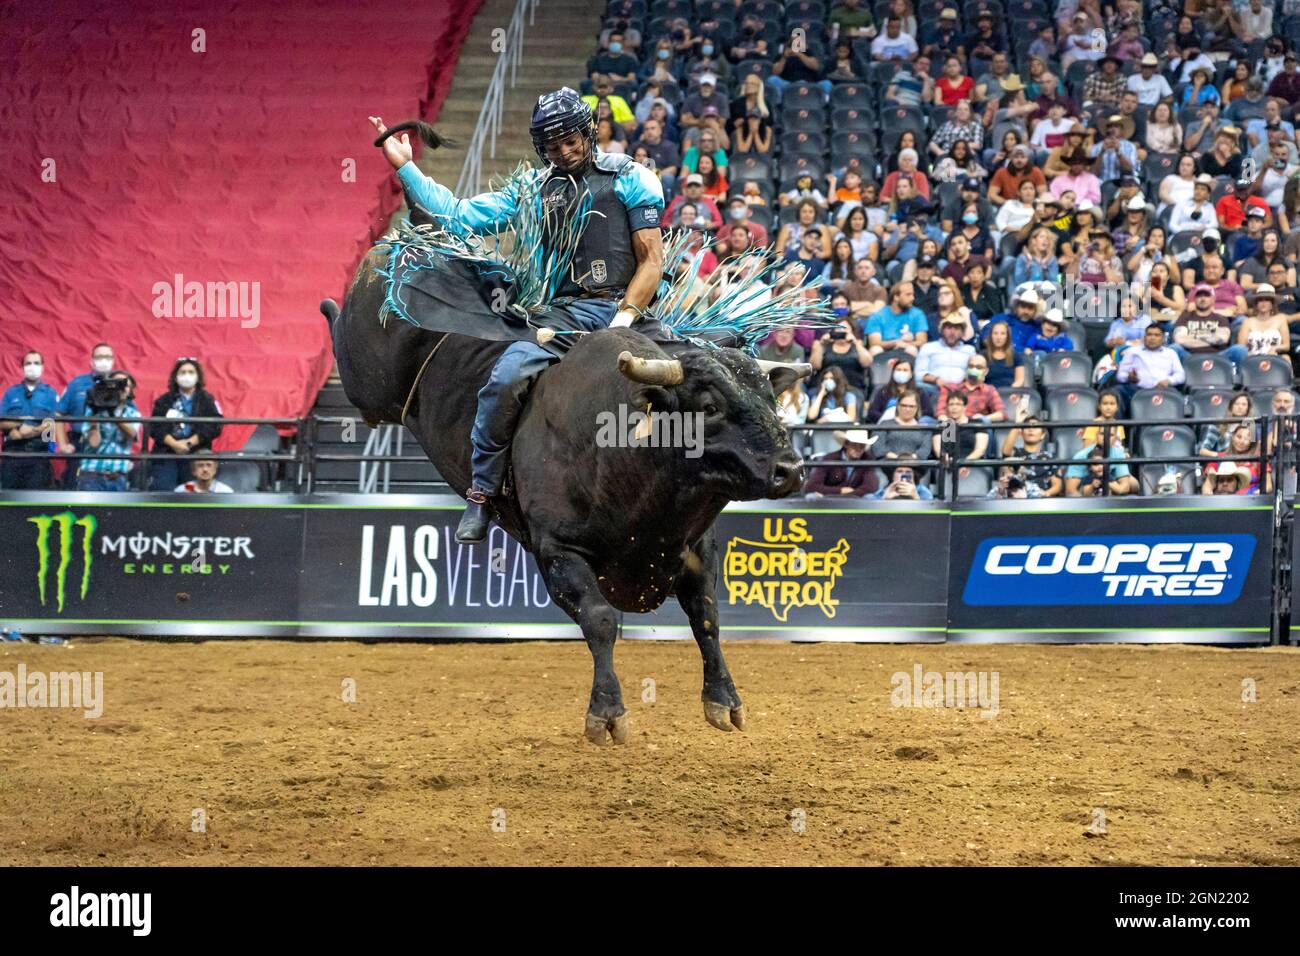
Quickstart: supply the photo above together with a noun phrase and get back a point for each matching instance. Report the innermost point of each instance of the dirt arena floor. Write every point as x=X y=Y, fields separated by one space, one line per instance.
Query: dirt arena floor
x=441 y=738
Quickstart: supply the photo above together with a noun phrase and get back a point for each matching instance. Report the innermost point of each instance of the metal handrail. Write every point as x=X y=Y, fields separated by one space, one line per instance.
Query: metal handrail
x=491 y=114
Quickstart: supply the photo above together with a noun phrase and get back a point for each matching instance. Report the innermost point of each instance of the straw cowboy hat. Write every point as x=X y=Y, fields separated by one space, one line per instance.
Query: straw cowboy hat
x=1228 y=469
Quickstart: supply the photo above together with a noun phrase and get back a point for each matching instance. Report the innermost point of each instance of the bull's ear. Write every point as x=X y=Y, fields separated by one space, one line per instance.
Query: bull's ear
x=783 y=375
x=661 y=398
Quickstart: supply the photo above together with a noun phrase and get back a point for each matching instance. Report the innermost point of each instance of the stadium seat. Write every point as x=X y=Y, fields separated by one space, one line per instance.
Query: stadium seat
x=1209 y=402
x=761 y=68
x=974 y=481
x=1171 y=441
x=803 y=142
x=897 y=118
x=1064 y=368
x=849 y=119
x=1068 y=441
x=1150 y=476
x=882 y=368
x=1156 y=405
x=803 y=119
x=1071 y=404
x=1208 y=371
x=1011 y=399
x=855 y=95
x=1265 y=371
x=802 y=94
x=793 y=167
x=751 y=167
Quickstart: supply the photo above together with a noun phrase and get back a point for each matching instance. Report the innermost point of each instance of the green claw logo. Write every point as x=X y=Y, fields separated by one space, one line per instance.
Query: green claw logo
x=66 y=522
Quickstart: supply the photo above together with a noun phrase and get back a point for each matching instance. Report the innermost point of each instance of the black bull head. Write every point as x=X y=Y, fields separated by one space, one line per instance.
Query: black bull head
x=614 y=526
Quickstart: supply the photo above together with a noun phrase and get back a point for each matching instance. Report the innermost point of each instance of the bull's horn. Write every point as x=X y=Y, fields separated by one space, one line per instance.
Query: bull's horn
x=651 y=371
x=801 y=369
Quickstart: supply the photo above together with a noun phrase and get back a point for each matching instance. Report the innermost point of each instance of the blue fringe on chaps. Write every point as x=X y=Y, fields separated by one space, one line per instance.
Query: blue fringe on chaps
x=502 y=399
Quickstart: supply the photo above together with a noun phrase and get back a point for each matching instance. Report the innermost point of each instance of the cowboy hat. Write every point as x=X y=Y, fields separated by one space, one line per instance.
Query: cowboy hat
x=859 y=436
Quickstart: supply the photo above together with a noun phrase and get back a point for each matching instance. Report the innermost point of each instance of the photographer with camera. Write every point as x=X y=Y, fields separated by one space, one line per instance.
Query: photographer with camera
x=26 y=422
x=110 y=404
x=185 y=398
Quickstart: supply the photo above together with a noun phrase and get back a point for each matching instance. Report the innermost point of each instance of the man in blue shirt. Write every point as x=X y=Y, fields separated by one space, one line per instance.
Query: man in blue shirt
x=899 y=325
x=73 y=402
x=615 y=273
x=26 y=415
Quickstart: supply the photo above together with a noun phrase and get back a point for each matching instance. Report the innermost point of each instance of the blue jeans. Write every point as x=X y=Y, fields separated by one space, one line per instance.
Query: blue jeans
x=1233 y=353
x=778 y=85
x=96 y=481
x=167 y=474
x=502 y=399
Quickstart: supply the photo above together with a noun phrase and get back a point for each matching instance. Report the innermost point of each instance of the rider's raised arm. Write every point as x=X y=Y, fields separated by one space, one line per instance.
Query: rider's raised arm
x=478 y=213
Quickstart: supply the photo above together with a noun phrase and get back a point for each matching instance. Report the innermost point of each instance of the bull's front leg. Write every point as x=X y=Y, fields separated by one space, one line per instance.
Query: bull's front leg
x=696 y=589
x=572 y=584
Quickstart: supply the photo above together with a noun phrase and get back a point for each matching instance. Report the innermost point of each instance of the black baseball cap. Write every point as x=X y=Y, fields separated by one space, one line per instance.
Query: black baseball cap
x=926 y=263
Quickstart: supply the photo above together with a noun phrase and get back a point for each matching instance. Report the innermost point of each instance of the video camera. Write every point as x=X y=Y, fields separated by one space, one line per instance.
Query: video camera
x=107 y=394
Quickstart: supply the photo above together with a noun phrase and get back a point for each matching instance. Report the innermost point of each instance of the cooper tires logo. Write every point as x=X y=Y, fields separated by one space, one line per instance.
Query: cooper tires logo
x=67 y=524
x=1129 y=569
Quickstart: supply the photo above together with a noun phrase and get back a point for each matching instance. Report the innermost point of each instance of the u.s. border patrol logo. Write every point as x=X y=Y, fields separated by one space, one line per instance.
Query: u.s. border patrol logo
x=598 y=271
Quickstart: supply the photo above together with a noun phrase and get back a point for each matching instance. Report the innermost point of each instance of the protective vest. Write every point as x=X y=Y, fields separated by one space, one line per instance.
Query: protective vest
x=603 y=261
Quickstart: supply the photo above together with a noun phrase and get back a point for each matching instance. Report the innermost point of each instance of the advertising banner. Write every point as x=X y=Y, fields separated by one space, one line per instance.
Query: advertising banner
x=75 y=564
x=785 y=572
x=366 y=566
x=1143 y=571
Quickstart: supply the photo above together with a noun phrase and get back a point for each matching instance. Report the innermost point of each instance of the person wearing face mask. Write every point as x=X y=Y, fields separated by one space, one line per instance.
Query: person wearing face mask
x=26 y=415
x=178 y=438
x=619 y=65
x=902 y=382
x=68 y=435
x=983 y=403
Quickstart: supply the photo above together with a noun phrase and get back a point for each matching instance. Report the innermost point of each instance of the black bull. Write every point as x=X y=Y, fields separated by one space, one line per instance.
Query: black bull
x=613 y=529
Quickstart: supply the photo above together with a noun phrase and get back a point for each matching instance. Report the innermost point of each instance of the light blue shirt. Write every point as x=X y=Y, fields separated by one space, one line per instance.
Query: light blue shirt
x=636 y=186
x=891 y=325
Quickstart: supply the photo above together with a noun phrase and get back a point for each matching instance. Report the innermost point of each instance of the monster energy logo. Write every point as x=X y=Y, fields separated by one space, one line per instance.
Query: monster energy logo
x=65 y=522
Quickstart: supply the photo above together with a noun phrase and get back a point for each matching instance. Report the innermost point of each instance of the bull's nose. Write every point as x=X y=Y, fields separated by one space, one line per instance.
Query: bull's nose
x=786 y=477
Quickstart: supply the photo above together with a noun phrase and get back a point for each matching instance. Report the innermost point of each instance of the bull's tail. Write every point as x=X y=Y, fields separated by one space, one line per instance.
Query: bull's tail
x=428 y=135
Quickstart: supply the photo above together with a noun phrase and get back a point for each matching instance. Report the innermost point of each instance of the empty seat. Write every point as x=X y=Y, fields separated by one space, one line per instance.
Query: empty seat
x=1071 y=404
x=1068 y=441
x=1011 y=398
x=803 y=143
x=1265 y=371
x=803 y=119
x=751 y=167
x=1168 y=441
x=1150 y=476
x=1209 y=402
x=973 y=481
x=857 y=95
x=1156 y=405
x=852 y=120
x=1208 y=371
x=1064 y=368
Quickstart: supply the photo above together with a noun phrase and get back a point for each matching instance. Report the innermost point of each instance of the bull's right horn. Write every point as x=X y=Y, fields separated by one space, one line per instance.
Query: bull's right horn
x=650 y=371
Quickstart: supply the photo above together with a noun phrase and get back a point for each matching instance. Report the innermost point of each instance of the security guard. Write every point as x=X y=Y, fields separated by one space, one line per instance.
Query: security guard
x=26 y=421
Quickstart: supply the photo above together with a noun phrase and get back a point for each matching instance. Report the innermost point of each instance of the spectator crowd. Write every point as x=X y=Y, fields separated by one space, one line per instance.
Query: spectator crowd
x=1020 y=211
x=38 y=421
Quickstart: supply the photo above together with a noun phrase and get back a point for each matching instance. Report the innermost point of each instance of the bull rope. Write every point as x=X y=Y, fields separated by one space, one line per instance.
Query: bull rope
x=420 y=374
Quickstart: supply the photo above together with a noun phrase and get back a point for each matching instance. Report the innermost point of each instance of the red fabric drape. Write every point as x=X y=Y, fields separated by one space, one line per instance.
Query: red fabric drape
x=221 y=142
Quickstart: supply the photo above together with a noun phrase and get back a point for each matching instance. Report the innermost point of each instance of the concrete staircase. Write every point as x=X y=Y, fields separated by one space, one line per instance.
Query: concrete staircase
x=556 y=49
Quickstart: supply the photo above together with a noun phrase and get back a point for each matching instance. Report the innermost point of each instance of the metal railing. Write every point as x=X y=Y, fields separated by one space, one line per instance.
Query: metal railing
x=306 y=450
x=490 y=116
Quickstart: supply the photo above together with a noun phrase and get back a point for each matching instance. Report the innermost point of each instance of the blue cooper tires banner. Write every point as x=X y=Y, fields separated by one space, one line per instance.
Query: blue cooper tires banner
x=1124 y=570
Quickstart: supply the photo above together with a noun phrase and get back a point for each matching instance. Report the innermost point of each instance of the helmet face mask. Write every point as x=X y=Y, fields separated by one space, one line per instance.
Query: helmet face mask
x=557 y=118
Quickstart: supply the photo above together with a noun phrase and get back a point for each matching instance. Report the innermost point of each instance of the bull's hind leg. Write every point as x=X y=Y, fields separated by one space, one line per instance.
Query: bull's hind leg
x=573 y=585
x=696 y=592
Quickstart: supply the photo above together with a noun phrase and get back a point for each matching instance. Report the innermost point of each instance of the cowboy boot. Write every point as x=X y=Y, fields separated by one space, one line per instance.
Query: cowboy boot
x=474 y=522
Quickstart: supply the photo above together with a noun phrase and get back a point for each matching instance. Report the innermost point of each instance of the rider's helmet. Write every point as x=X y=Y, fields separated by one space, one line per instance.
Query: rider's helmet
x=558 y=115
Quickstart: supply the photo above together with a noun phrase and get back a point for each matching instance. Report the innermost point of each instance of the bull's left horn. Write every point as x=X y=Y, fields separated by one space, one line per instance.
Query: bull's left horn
x=651 y=371
x=801 y=369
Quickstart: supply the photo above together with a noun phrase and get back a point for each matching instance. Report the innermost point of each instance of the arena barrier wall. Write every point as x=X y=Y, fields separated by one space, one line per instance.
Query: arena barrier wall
x=366 y=566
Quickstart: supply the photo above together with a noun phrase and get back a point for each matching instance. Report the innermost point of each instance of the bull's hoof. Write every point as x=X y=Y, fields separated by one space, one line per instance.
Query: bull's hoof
x=724 y=717
x=597 y=727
